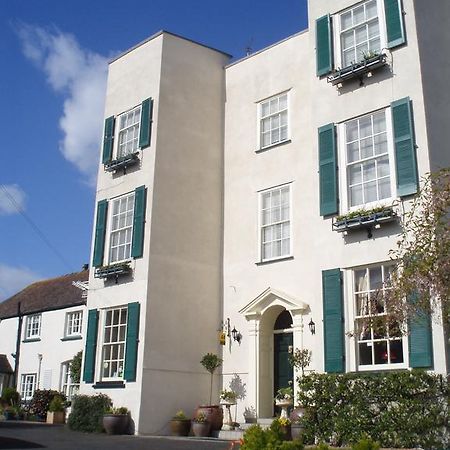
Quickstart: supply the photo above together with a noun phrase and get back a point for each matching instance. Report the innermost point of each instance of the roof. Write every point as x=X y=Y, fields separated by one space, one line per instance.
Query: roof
x=5 y=367
x=46 y=295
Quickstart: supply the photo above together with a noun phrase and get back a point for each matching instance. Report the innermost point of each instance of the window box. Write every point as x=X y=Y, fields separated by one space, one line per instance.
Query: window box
x=113 y=270
x=122 y=163
x=358 y=70
x=364 y=219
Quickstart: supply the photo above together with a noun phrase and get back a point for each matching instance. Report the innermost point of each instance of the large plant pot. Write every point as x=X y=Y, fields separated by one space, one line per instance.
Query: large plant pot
x=296 y=431
x=115 y=423
x=286 y=432
x=201 y=429
x=56 y=417
x=297 y=413
x=180 y=427
x=214 y=415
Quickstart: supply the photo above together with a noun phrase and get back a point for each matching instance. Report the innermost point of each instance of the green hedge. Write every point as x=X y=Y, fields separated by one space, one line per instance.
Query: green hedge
x=397 y=409
x=87 y=412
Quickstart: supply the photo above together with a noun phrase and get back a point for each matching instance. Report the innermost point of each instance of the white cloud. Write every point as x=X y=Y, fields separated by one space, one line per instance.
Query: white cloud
x=14 y=279
x=79 y=75
x=12 y=199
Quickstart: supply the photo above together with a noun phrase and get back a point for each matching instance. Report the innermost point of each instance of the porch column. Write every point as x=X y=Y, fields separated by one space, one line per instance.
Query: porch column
x=254 y=322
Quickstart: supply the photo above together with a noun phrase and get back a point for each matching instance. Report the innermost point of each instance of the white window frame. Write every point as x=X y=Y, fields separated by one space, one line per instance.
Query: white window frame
x=27 y=385
x=104 y=343
x=30 y=322
x=260 y=223
x=67 y=387
x=108 y=240
x=342 y=158
x=352 y=348
x=118 y=131
x=336 y=18
x=73 y=317
x=260 y=118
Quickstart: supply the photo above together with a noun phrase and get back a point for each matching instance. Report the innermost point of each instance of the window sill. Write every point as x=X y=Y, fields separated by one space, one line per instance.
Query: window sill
x=271 y=261
x=31 y=340
x=72 y=338
x=278 y=144
x=109 y=385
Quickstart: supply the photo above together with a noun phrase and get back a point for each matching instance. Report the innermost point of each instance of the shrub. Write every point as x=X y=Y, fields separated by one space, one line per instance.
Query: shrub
x=365 y=443
x=40 y=403
x=10 y=396
x=57 y=404
x=87 y=412
x=397 y=409
x=255 y=438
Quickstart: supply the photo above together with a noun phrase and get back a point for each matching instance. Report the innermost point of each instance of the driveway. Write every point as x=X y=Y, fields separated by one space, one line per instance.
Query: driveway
x=28 y=435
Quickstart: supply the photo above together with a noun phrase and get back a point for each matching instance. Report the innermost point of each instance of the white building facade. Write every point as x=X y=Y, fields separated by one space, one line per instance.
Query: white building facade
x=221 y=198
x=42 y=327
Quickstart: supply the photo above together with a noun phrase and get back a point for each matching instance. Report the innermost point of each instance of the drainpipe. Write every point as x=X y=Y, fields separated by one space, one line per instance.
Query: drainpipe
x=17 y=355
x=39 y=370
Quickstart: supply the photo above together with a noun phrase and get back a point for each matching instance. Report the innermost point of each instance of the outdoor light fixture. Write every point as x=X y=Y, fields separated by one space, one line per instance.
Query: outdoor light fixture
x=236 y=335
x=312 y=326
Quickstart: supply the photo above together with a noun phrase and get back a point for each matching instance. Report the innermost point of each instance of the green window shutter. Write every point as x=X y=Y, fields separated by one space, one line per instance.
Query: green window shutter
x=420 y=339
x=333 y=321
x=146 y=123
x=108 y=139
x=394 y=23
x=131 y=348
x=91 y=346
x=137 y=245
x=328 y=170
x=405 y=149
x=324 y=45
x=100 y=230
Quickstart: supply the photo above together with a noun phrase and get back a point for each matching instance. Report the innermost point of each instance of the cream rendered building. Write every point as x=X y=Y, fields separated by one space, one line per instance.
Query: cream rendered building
x=218 y=195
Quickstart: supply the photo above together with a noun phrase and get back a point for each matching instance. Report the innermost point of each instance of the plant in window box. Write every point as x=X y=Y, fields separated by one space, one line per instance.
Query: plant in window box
x=180 y=424
x=56 y=411
x=122 y=162
x=113 y=270
x=116 y=420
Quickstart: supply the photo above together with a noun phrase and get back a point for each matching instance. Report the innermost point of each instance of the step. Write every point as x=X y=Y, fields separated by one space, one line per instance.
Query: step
x=232 y=435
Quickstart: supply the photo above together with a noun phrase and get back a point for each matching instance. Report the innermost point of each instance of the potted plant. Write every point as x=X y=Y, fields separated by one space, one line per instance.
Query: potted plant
x=9 y=413
x=250 y=415
x=56 y=411
x=200 y=425
x=285 y=428
x=180 y=424
x=116 y=420
x=228 y=398
x=284 y=398
x=213 y=413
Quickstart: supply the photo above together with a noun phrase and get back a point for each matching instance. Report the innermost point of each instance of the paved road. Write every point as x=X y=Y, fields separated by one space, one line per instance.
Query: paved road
x=25 y=435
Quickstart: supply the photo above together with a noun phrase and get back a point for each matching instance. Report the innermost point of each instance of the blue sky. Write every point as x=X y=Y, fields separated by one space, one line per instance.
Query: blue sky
x=52 y=90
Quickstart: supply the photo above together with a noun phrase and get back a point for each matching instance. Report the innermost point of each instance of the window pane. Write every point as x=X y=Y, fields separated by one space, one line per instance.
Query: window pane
x=369 y=171
x=379 y=122
x=360 y=34
x=353 y=152
x=384 y=188
x=354 y=174
x=380 y=142
x=283 y=102
x=371 y=9
x=366 y=148
x=380 y=350
x=351 y=130
x=396 y=352
x=361 y=280
x=346 y=20
x=349 y=57
x=358 y=15
x=264 y=109
x=285 y=246
x=348 y=40
x=373 y=29
x=370 y=192
x=356 y=196
x=267 y=234
x=365 y=353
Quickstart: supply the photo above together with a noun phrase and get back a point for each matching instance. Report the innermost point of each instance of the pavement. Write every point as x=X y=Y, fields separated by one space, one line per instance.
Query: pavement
x=30 y=435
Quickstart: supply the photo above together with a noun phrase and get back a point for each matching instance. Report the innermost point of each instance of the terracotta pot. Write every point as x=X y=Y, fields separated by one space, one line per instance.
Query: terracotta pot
x=214 y=415
x=180 y=427
x=115 y=423
x=201 y=429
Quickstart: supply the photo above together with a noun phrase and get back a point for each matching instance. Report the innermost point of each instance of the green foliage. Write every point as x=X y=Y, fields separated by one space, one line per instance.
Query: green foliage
x=57 y=404
x=398 y=409
x=75 y=367
x=119 y=411
x=10 y=396
x=255 y=438
x=87 y=412
x=211 y=362
x=40 y=403
x=366 y=443
x=363 y=213
x=300 y=359
x=180 y=415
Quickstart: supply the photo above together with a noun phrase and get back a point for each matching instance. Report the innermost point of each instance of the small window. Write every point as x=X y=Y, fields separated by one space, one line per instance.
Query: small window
x=273 y=123
x=379 y=344
x=368 y=155
x=275 y=223
x=68 y=388
x=33 y=326
x=74 y=322
x=114 y=336
x=360 y=34
x=121 y=233
x=27 y=386
x=128 y=132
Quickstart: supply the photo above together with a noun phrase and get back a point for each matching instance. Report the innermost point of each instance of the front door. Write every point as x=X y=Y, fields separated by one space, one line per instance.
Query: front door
x=283 y=371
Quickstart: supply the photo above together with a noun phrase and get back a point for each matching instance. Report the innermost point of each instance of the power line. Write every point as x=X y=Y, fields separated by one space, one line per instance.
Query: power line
x=35 y=228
